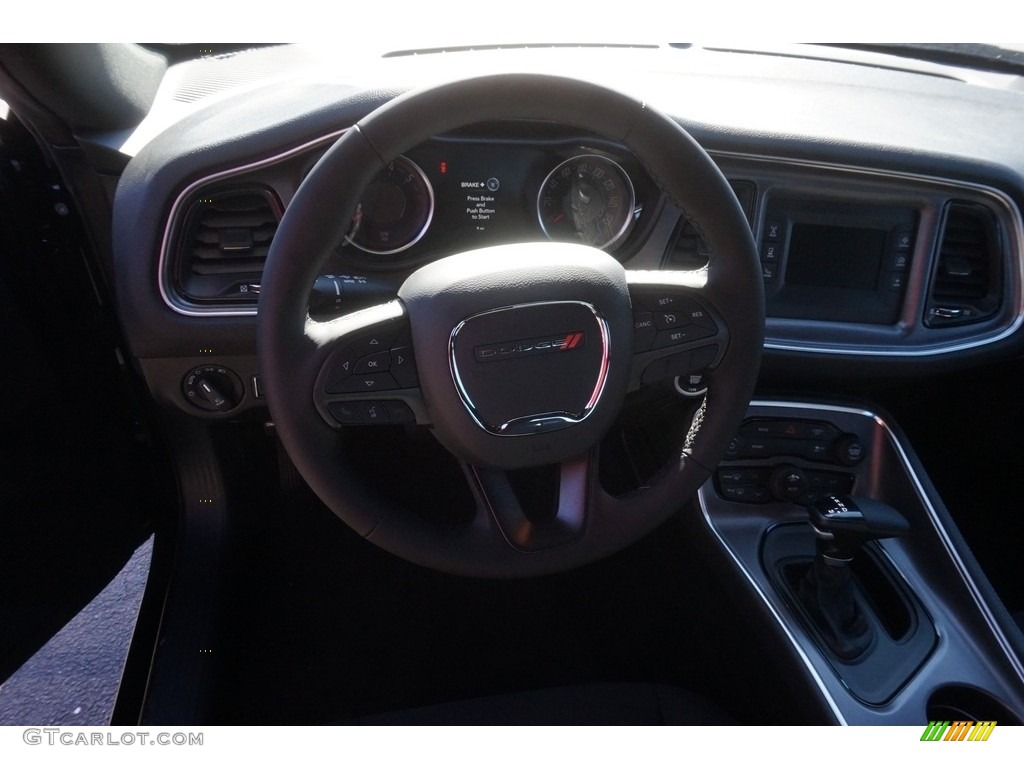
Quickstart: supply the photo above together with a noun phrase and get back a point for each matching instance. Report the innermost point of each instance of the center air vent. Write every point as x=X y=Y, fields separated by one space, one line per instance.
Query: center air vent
x=223 y=244
x=967 y=282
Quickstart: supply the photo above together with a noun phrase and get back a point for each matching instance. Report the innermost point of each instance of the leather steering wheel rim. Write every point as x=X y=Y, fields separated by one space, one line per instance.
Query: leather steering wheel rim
x=291 y=356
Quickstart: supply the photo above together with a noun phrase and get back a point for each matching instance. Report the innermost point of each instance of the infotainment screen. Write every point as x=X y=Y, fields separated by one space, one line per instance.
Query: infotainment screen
x=835 y=257
x=836 y=260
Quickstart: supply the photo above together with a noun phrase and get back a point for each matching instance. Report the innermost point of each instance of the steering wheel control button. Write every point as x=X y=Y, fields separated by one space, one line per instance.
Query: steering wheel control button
x=367 y=382
x=357 y=366
x=682 y=335
x=373 y=412
x=346 y=413
x=399 y=412
x=378 y=362
x=697 y=315
x=341 y=367
x=530 y=368
x=380 y=340
x=644 y=331
x=666 y=320
x=403 y=367
x=676 y=320
x=658 y=302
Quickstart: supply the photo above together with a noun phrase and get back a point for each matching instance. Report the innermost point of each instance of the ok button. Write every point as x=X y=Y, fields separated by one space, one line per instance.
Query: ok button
x=378 y=362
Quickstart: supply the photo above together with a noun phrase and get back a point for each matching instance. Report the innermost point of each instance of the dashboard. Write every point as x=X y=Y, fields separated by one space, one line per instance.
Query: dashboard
x=882 y=243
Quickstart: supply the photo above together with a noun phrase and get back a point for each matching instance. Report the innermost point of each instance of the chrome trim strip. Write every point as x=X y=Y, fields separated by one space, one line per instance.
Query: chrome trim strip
x=933 y=516
x=167 y=292
x=938 y=349
x=771 y=608
x=1004 y=201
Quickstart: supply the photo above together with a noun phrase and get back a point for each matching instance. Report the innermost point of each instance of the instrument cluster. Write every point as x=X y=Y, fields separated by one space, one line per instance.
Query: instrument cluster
x=456 y=194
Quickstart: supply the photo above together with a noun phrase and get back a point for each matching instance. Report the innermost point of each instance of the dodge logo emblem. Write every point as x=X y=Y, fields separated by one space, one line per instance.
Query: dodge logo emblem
x=509 y=350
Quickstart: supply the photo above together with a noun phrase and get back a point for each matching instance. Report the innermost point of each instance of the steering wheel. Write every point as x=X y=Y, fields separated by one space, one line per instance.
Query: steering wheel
x=516 y=355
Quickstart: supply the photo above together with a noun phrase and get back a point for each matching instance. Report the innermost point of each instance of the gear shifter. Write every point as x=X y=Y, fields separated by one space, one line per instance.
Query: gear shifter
x=841 y=526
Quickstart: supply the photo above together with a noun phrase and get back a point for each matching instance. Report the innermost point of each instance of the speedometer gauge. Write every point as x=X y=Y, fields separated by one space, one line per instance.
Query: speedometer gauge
x=394 y=211
x=587 y=199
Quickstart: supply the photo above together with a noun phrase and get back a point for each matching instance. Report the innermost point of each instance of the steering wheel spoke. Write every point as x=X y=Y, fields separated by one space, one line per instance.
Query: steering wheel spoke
x=538 y=509
x=677 y=332
x=369 y=375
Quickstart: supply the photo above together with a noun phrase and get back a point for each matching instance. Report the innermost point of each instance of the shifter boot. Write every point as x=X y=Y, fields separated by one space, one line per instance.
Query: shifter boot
x=827 y=592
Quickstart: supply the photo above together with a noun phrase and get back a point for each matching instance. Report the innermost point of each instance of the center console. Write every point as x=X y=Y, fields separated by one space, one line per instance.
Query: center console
x=933 y=642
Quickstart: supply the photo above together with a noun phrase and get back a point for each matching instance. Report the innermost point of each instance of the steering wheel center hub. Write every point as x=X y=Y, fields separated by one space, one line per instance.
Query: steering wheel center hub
x=531 y=368
x=523 y=351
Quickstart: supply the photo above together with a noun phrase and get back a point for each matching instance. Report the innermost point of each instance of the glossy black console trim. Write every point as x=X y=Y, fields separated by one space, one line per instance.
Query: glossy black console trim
x=783 y=624
x=959 y=631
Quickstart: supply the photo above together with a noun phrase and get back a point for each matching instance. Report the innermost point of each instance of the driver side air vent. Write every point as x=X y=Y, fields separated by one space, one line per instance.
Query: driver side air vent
x=223 y=244
x=967 y=282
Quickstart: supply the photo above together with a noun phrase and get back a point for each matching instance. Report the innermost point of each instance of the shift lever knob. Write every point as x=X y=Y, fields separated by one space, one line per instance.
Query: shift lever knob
x=843 y=524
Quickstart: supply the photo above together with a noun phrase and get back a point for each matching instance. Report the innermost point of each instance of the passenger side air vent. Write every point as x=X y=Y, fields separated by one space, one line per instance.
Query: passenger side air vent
x=966 y=285
x=224 y=241
x=687 y=250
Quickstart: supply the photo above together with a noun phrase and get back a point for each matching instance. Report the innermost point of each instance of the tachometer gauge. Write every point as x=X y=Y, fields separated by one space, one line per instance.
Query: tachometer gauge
x=587 y=199
x=395 y=210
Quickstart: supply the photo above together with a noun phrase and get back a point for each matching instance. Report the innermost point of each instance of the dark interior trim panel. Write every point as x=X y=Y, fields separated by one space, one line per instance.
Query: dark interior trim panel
x=975 y=665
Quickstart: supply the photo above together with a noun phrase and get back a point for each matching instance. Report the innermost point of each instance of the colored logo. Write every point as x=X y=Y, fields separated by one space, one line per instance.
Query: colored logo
x=513 y=349
x=958 y=730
